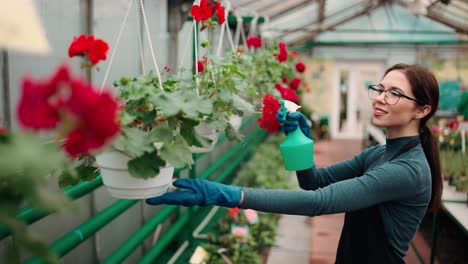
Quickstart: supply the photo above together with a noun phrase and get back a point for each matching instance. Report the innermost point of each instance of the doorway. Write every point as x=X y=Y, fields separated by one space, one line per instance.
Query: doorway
x=352 y=108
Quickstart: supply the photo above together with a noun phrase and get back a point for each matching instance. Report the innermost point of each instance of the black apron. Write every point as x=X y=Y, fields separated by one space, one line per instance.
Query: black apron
x=363 y=238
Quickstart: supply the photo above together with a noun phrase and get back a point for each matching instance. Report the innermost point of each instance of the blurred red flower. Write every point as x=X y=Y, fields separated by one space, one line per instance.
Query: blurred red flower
x=220 y=13
x=283 y=52
x=253 y=41
x=267 y=121
x=294 y=84
x=437 y=130
x=284 y=79
x=202 y=11
x=86 y=118
x=200 y=66
x=287 y=93
x=95 y=117
x=453 y=125
x=233 y=211
x=40 y=100
x=300 y=66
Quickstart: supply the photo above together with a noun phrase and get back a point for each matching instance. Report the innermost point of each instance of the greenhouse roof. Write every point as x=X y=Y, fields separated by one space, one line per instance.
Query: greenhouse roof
x=299 y=22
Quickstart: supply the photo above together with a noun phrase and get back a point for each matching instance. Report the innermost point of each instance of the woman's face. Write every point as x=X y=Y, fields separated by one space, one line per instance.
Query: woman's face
x=399 y=119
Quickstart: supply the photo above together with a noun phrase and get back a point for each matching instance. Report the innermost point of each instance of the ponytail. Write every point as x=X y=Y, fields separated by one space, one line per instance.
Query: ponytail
x=431 y=150
x=426 y=89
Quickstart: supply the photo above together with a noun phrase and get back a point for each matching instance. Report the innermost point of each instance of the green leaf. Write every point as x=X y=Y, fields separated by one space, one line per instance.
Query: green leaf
x=87 y=173
x=188 y=132
x=186 y=102
x=148 y=117
x=242 y=105
x=68 y=178
x=177 y=153
x=134 y=142
x=160 y=134
x=145 y=166
x=126 y=119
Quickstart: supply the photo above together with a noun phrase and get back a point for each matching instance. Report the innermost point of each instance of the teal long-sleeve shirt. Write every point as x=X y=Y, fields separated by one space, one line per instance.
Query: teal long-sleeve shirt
x=401 y=187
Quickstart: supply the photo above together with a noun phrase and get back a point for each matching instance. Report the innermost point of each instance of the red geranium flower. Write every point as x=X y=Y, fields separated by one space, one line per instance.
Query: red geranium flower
x=293 y=54
x=96 y=49
x=200 y=65
x=95 y=116
x=220 y=13
x=202 y=11
x=3 y=131
x=453 y=125
x=283 y=52
x=270 y=107
x=294 y=84
x=40 y=100
x=79 y=46
x=300 y=67
x=89 y=118
x=286 y=93
x=254 y=42
x=233 y=211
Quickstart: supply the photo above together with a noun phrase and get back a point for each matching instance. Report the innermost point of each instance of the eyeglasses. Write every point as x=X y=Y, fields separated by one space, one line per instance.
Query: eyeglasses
x=391 y=96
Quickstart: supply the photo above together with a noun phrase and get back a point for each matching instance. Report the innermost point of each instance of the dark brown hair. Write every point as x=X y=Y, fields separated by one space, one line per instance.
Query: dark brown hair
x=426 y=91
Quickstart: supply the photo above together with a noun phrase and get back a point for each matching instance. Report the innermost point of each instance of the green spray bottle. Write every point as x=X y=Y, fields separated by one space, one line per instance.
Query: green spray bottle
x=297 y=150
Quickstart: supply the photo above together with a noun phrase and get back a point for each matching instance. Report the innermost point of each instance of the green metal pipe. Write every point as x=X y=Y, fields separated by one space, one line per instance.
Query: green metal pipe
x=30 y=215
x=156 y=250
x=138 y=237
x=166 y=239
x=75 y=237
x=82 y=232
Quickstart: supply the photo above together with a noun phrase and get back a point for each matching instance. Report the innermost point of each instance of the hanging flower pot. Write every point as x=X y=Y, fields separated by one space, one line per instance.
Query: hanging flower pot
x=235 y=121
x=203 y=130
x=121 y=184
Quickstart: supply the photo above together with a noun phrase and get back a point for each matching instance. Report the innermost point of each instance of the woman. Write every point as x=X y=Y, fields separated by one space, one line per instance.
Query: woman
x=384 y=191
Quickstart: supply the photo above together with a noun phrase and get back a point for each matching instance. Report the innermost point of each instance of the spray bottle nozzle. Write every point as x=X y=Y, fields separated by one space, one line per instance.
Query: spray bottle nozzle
x=290 y=106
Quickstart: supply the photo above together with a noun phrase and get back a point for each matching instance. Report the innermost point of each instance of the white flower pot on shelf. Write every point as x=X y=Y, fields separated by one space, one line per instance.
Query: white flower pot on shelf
x=121 y=184
x=235 y=121
x=203 y=130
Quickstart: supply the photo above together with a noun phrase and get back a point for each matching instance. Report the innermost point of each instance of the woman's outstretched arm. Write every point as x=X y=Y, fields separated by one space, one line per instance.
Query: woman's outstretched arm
x=314 y=178
x=384 y=183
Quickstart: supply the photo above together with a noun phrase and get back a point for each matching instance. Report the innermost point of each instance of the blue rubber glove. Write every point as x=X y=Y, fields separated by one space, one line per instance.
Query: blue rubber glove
x=200 y=192
x=290 y=121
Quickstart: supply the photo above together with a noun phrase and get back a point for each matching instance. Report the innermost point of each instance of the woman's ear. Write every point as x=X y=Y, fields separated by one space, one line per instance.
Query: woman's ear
x=422 y=111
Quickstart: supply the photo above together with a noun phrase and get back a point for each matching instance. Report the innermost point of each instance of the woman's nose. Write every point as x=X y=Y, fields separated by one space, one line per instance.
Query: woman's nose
x=381 y=97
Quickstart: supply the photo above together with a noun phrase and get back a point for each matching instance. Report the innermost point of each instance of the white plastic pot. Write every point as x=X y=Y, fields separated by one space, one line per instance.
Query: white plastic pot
x=203 y=130
x=235 y=121
x=121 y=184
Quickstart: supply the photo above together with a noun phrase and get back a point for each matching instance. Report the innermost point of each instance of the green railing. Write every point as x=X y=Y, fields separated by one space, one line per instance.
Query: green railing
x=229 y=162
